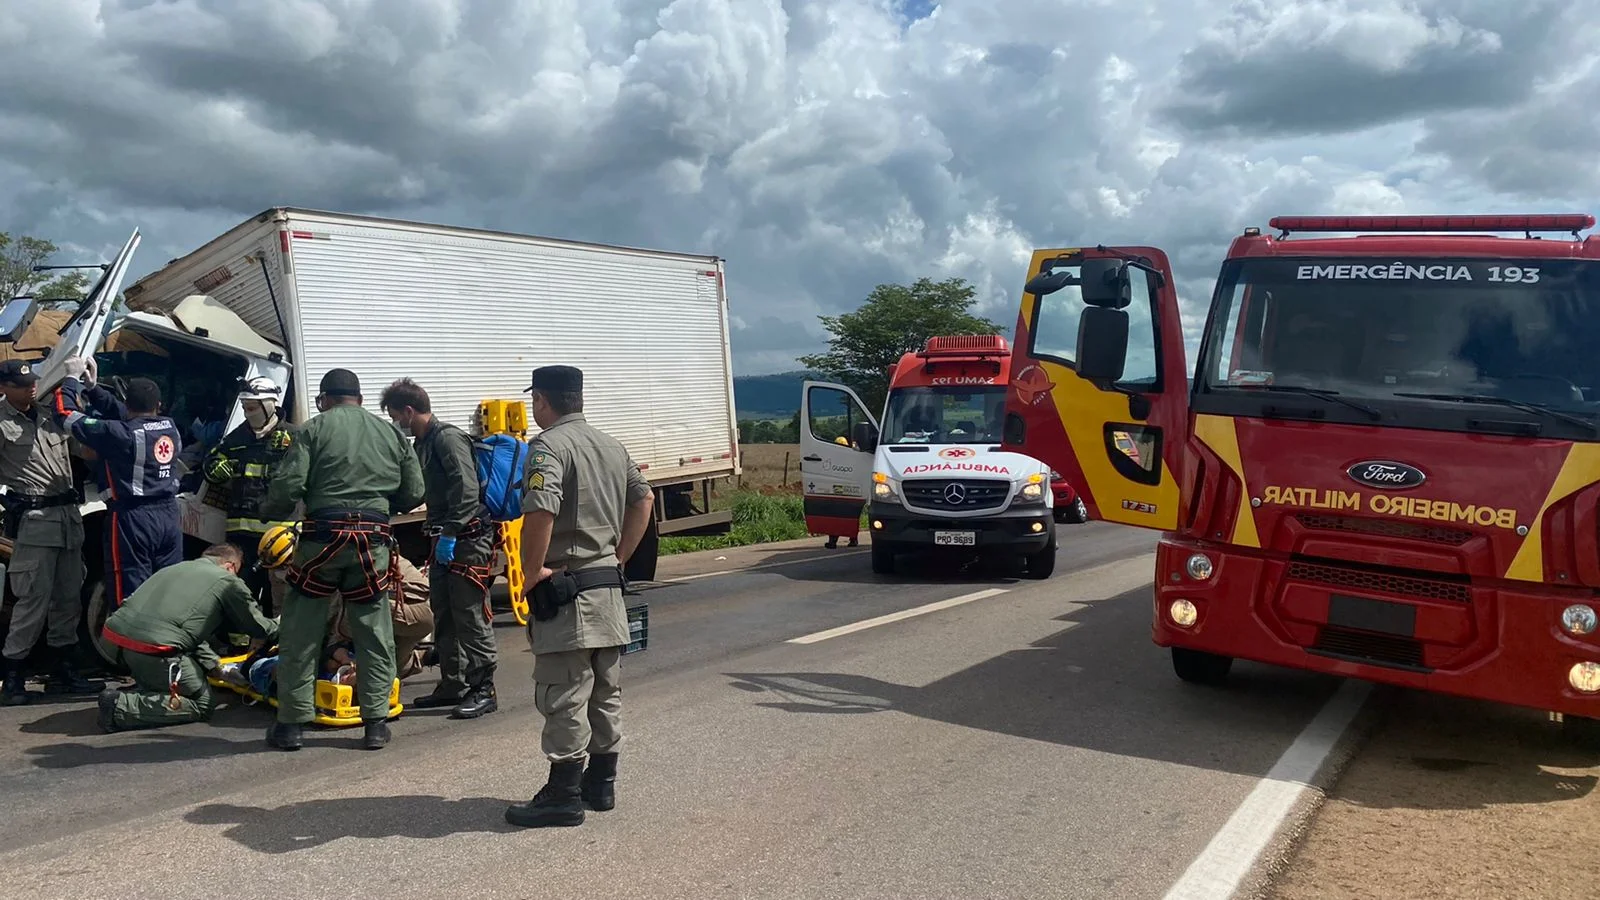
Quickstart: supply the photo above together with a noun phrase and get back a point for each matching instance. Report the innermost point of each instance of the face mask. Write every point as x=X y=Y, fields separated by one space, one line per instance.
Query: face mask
x=256 y=417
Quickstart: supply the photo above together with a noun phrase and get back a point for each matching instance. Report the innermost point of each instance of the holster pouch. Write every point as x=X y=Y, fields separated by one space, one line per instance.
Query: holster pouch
x=546 y=598
x=12 y=523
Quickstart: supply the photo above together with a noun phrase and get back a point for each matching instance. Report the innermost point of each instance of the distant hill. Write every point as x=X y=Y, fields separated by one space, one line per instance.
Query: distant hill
x=768 y=396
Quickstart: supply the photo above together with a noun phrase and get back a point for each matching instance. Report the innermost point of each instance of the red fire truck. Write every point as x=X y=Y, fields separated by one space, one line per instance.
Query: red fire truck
x=1387 y=466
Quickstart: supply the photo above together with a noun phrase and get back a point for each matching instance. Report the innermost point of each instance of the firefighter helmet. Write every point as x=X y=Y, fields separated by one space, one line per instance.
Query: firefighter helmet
x=260 y=388
x=277 y=546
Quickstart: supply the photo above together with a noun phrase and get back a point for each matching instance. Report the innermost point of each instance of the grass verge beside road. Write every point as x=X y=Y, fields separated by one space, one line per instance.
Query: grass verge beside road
x=759 y=517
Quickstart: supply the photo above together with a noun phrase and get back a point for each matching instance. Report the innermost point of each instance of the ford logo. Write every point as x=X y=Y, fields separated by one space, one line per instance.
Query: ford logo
x=1386 y=474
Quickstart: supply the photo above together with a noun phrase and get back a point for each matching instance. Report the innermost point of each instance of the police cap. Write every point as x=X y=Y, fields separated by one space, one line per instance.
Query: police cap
x=17 y=373
x=557 y=380
x=341 y=382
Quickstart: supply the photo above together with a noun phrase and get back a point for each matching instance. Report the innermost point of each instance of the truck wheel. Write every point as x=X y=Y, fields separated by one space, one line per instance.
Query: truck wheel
x=1077 y=513
x=95 y=613
x=1199 y=667
x=1042 y=564
x=883 y=557
x=1582 y=732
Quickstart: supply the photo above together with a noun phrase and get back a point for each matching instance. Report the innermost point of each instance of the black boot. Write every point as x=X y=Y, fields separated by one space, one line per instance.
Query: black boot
x=599 y=780
x=480 y=701
x=558 y=803
x=436 y=699
x=63 y=679
x=284 y=735
x=15 y=692
x=108 y=710
x=376 y=735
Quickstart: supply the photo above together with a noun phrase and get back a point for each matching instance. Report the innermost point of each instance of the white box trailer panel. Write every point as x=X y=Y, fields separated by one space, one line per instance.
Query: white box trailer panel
x=469 y=314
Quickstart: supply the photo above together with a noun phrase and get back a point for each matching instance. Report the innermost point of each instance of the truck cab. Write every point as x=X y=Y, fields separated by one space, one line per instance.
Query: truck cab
x=933 y=475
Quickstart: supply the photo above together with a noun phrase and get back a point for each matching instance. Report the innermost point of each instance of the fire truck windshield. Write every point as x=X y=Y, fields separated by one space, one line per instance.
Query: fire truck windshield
x=1430 y=342
x=944 y=415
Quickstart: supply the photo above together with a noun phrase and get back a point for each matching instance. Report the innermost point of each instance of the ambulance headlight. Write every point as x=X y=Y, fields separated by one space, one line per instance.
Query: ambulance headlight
x=1578 y=619
x=1031 y=492
x=882 y=489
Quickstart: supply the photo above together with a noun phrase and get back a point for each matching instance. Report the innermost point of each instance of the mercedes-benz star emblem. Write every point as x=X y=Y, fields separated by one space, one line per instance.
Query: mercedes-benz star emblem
x=954 y=494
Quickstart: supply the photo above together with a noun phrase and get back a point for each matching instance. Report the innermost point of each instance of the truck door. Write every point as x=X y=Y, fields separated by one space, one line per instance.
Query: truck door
x=1100 y=386
x=838 y=438
x=87 y=328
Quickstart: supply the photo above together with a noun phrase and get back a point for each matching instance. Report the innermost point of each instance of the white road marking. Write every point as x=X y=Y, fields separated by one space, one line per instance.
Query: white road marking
x=1216 y=873
x=894 y=616
x=683 y=579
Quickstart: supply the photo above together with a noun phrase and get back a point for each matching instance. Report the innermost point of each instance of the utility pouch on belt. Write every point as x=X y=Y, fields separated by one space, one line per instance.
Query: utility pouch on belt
x=548 y=596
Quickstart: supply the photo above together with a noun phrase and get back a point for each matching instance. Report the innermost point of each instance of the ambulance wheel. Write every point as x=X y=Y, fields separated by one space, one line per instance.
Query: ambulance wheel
x=1199 y=667
x=883 y=557
x=1042 y=564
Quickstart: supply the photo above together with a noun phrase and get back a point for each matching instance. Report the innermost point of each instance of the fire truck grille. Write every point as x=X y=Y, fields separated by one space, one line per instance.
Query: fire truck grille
x=956 y=494
x=1454 y=537
x=1362 y=579
x=1382 y=649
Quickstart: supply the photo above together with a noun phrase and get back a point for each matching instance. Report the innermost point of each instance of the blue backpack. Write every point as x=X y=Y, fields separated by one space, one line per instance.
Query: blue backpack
x=500 y=458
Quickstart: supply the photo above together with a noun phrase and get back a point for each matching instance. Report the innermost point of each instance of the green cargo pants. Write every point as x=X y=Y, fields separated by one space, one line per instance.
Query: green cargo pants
x=303 y=628
x=146 y=705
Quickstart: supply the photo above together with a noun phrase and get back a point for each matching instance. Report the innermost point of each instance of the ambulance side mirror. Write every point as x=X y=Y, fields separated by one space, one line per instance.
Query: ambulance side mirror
x=865 y=437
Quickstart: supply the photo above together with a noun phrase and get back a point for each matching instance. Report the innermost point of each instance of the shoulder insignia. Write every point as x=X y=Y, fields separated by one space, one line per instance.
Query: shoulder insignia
x=536 y=482
x=539 y=456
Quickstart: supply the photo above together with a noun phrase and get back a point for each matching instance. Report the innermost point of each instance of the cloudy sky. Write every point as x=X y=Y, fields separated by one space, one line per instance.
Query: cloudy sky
x=820 y=146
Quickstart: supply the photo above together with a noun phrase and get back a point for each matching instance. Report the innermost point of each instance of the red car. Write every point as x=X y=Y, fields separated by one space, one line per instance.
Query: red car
x=1069 y=506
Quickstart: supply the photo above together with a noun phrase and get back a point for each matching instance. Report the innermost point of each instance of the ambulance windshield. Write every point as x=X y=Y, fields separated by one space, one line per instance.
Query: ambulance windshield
x=1468 y=332
x=944 y=415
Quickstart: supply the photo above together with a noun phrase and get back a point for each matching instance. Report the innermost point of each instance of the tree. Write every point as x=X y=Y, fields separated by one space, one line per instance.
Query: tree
x=18 y=256
x=894 y=320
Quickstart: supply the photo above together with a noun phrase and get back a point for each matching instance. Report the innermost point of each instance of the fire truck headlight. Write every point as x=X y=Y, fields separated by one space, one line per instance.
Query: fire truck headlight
x=1578 y=619
x=1182 y=613
x=1585 y=677
x=1199 y=567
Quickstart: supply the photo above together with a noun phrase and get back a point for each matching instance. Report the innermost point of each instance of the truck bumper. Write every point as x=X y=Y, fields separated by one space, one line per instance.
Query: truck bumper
x=1023 y=531
x=1496 y=643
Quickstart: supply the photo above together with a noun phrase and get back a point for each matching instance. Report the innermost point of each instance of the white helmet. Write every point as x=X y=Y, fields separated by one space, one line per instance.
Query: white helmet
x=261 y=388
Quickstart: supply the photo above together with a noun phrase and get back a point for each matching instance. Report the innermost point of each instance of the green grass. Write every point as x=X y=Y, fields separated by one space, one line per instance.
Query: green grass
x=758 y=518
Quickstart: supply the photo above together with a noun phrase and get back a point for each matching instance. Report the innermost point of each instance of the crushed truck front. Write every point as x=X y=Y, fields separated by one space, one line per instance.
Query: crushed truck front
x=1389 y=463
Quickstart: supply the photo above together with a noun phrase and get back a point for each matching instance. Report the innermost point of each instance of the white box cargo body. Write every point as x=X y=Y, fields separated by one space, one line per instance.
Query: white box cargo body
x=469 y=314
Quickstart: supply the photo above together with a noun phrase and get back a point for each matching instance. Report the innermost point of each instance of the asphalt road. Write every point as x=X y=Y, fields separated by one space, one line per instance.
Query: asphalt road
x=1029 y=742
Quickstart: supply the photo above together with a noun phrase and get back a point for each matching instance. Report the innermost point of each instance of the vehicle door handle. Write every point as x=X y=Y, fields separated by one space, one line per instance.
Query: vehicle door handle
x=812 y=458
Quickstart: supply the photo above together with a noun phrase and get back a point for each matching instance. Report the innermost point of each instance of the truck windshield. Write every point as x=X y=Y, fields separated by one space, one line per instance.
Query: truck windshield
x=1518 y=335
x=944 y=415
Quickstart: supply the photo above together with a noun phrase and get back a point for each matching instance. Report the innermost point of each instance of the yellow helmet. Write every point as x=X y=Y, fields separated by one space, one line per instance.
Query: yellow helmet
x=277 y=546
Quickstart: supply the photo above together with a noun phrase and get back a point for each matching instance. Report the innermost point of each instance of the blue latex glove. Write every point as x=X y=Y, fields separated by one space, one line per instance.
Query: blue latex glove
x=445 y=550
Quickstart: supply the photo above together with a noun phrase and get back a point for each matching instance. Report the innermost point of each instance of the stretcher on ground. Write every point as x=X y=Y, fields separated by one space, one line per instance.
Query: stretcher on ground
x=335 y=704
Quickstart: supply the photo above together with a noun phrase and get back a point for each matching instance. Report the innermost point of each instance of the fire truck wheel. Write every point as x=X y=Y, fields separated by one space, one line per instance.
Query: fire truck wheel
x=1199 y=667
x=1582 y=731
x=882 y=557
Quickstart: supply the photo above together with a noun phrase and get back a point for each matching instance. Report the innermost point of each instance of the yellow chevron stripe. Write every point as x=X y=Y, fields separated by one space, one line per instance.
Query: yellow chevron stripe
x=1580 y=469
x=1218 y=433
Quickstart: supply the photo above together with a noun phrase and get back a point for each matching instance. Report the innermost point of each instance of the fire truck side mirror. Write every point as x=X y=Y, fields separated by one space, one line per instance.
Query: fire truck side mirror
x=1106 y=283
x=15 y=318
x=1049 y=281
x=1102 y=345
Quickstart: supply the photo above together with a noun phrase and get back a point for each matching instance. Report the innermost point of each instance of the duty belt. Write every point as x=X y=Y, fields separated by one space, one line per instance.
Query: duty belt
x=39 y=501
x=472 y=529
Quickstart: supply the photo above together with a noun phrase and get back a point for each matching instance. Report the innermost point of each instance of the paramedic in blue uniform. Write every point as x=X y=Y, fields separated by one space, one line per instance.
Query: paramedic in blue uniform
x=138 y=448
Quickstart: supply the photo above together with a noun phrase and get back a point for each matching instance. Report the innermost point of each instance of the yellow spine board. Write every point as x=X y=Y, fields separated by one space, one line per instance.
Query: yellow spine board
x=509 y=417
x=334 y=704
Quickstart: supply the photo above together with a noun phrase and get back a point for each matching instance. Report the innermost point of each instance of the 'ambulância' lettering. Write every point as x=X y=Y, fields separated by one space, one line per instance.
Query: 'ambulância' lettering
x=990 y=468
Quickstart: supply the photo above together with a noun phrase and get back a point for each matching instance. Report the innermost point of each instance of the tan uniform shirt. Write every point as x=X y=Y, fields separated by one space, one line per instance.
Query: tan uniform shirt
x=36 y=459
x=587 y=480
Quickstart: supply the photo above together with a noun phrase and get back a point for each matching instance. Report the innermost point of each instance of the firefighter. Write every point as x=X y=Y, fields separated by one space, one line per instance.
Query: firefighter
x=138 y=447
x=463 y=549
x=352 y=470
x=163 y=634
x=241 y=467
x=45 y=527
x=585 y=508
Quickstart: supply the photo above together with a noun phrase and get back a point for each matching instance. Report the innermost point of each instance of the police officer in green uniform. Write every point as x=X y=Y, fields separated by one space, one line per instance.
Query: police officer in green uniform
x=163 y=633
x=46 y=531
x=352 y=470
x=240 y=468
x=585 y=508
x=463 y=549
